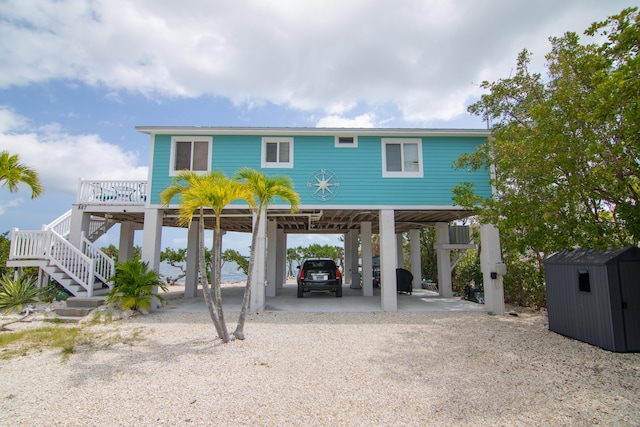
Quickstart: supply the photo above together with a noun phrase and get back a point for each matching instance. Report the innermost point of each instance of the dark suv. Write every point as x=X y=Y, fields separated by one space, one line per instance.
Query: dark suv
x=319 y=274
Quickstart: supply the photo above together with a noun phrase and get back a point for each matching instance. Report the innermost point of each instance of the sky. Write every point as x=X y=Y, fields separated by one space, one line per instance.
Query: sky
x=77 y=76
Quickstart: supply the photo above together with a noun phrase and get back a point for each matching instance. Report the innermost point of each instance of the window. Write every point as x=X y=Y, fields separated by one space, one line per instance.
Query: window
x=402 y=158
x=277 y=152
x=189 y=153
x=343 y=141
x=584 y=284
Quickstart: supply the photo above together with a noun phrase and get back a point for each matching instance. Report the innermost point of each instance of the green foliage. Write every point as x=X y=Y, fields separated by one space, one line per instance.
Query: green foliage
x=231 y=255
x=13 y=173
x=564 y=149
x=133 y=285
x=16 y=293
x=429 y=256
x=5 y=246
x=524 y=283
x=468 y=271
x=53 y=291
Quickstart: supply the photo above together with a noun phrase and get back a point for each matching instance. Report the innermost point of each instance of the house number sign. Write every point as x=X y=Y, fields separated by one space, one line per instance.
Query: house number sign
x=323 y=184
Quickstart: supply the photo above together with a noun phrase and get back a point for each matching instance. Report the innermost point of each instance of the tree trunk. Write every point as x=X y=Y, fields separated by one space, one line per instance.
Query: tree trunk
x=239 y=332
x=217 y=252
x=208 y=299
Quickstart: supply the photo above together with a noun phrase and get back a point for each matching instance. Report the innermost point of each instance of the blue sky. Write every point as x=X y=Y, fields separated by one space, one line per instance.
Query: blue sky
x=79 y=75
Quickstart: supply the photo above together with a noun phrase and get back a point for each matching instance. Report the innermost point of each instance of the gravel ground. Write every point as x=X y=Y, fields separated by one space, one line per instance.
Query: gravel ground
x=327 y=369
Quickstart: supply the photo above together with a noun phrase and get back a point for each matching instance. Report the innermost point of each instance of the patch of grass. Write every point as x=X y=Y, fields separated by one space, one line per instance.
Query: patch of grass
x=68 y=340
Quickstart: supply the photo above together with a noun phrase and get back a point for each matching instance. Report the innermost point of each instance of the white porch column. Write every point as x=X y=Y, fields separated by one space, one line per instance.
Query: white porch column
x=152 y=241
x=400 y=247
x=125 y=246
x=258 y=295
x=281 y=265
x=416 y=260
x=80 y=221
x=354 y=265
x=272 y=257
x=191 y=269
x=489 y=257
x=444 y=260
x=367 y=261
x=388 y=259
x=346 y=268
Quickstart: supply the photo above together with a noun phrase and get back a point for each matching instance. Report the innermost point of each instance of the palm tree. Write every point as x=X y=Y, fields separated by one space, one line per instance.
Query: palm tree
x=12 y=173
x=196 y=192
x=264 y=189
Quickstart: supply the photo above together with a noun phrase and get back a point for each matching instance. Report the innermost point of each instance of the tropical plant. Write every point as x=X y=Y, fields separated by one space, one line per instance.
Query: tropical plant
x=16 y=293
x=13 y=173
x=134 y=284
x=196 y=192
x=231 y=255
x=264 y=189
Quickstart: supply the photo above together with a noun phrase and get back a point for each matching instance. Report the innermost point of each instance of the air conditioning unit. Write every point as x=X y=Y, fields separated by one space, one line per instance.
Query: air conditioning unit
x=459 y=234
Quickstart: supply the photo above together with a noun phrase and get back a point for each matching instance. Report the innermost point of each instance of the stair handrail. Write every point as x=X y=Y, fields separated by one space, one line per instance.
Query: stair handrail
x=29 y=244
x=72 y=261
x=61 y=225
x=105 y=266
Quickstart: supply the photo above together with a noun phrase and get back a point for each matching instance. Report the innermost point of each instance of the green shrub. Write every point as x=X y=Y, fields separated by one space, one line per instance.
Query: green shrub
x=133 y=285
x=467 y=271
x=16 y=293
x=524 y=283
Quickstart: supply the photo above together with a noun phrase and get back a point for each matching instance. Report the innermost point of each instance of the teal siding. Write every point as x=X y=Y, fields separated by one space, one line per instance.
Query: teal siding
x=359 y=170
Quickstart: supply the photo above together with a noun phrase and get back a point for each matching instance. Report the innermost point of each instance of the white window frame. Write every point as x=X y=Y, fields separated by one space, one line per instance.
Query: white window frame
x=277 y=164
x=172 y=158
x=339 y=144
x=402 y=174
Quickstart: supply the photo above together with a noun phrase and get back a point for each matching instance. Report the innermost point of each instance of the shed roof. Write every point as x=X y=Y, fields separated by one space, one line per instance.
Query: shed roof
x=592 y=256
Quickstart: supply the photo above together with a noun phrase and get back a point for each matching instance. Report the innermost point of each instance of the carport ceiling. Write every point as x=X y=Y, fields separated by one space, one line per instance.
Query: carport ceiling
x=325 y=221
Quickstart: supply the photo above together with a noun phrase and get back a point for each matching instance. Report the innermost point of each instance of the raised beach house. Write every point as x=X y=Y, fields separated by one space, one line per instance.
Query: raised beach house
x=353 y=182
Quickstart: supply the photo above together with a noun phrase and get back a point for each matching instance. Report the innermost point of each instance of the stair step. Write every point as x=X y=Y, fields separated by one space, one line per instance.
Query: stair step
x=62 y=319
x=80 y=302
x=73 y=312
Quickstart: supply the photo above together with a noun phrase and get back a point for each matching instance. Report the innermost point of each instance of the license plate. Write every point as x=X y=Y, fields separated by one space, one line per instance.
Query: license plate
x=320 y=277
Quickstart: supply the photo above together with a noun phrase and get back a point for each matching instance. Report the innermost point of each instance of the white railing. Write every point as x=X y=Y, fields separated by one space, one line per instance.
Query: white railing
x=61 y=225
x=29 y=244
x=51 y=246
x=112 y=192
x=105 y=267
x=73 y=262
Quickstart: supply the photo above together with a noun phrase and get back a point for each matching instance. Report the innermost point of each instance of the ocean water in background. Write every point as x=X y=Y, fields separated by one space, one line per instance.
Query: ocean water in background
x=230 y=272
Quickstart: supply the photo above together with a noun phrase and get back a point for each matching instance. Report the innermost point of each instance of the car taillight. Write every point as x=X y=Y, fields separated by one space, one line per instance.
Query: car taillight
x=301 y=274
x=337 y=273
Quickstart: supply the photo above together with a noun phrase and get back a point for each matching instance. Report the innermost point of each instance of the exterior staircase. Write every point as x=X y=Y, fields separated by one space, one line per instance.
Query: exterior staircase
x=84 y=271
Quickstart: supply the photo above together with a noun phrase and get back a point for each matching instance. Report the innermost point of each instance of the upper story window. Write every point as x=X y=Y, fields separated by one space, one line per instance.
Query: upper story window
x=343 y=141
x=402 y=158
x=277 y=152
x=190 y=153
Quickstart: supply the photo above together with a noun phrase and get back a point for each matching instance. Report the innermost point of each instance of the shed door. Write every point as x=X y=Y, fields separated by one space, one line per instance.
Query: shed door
x=630 y=290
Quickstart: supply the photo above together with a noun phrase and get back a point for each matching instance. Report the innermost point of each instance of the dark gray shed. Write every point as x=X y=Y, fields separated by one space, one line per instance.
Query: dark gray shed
x=594 y=296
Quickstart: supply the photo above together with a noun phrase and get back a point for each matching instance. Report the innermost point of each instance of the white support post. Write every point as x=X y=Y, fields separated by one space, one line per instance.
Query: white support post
x=151 y=242
x=444 y=260
x=281 y=264
x=80 y=222
x=492 y=279
x=272 y=257
x=388 y=259
x=258 y=296
x=346 y=268
x=127 y=237
x=367 y=260
x=400 y=247
x=354 y=266
x=193 y=256
x=416 y=260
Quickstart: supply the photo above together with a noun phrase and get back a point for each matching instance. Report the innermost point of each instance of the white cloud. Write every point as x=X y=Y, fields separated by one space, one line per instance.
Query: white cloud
x=425 y=57
x=9 y=204
x=62 y=159
x=362 y=121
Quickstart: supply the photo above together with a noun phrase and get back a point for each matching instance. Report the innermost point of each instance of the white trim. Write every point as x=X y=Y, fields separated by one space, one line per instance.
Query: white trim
x=192 y=139
x=277 y=164
x=402 y=174
x=352 y=144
